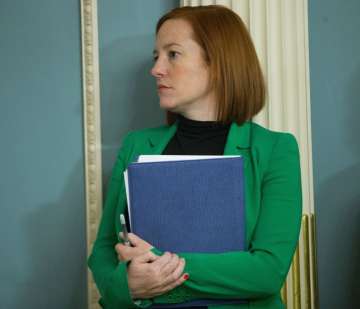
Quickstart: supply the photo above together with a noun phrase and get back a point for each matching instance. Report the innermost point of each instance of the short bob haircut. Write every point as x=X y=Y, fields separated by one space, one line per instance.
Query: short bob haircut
x=235 y=72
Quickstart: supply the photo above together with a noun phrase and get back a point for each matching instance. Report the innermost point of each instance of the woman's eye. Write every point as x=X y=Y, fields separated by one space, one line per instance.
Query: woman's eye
x=155 y=58
x=173 y=54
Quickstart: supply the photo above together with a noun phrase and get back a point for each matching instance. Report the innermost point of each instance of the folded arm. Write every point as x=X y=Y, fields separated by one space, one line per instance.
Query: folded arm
x=119 y=281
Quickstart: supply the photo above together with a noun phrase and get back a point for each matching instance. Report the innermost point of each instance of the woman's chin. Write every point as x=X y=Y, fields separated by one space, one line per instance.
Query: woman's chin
x=168 y=106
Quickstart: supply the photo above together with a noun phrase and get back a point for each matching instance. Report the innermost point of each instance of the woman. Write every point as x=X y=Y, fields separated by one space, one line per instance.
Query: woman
x=210 y=83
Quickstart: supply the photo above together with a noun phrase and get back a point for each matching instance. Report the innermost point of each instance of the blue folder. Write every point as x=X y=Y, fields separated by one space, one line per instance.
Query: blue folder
x=190 y=206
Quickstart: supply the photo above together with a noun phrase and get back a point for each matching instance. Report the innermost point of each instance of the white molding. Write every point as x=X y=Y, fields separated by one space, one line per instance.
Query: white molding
x=92 y=131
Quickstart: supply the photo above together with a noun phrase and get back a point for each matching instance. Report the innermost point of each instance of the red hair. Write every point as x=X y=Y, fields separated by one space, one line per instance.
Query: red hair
x=235 y=72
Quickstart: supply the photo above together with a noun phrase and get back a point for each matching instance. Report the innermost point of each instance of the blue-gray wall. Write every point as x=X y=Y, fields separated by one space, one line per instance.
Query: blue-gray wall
x=42 y=221
x=128 y=92
x=335 y=91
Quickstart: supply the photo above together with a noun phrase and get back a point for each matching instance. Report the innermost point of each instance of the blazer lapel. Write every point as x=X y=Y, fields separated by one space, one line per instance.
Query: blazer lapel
x=159 y=140
x=239 y=143
x=238 y=140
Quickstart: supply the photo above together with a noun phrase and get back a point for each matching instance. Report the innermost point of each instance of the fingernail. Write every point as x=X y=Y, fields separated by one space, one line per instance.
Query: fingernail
x=186 y=276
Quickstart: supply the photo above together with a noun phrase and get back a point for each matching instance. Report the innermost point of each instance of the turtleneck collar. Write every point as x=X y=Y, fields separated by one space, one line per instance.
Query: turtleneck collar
x=195 y=127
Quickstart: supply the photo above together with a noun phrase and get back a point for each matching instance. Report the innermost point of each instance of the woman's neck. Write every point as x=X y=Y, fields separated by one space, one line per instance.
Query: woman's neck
x=200 y=114
x=204 y=109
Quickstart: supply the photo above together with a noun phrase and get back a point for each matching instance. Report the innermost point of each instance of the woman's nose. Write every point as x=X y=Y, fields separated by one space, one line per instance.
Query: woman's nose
x=158 y=69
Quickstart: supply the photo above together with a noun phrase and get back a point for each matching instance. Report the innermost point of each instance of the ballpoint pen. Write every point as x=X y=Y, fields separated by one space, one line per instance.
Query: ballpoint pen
x=124 y=230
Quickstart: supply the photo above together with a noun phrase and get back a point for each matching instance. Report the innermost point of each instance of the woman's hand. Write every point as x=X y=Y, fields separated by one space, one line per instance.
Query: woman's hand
x=139 y=247
x=150 y=275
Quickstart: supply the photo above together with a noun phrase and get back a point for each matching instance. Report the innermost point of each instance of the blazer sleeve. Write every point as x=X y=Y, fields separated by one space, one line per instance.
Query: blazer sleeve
x=260 y=271
x=109 y=274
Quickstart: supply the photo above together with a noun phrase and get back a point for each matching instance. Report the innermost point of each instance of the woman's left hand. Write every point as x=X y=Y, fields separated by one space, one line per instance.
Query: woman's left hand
x=127 y=253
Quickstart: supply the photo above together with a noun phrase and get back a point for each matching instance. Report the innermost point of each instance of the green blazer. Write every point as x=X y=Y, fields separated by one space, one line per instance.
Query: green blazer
x=273 y=215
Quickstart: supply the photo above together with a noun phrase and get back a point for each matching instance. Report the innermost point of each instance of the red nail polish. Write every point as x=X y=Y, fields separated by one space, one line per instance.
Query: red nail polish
x=186 y=276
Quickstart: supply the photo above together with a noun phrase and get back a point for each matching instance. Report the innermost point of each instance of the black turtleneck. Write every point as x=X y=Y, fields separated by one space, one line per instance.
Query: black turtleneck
x=198 y=138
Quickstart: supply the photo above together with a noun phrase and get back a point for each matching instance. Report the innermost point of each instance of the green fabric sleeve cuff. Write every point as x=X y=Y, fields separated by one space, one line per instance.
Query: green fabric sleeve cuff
x=143 y=303
x=117 y=294
x=156 y=251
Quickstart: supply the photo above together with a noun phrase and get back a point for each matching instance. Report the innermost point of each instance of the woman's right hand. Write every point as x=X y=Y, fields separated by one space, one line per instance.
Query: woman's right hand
x=150 y=275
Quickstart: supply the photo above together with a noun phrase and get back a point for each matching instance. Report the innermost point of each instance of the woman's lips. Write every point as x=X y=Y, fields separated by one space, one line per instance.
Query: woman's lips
x=163 y=88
